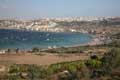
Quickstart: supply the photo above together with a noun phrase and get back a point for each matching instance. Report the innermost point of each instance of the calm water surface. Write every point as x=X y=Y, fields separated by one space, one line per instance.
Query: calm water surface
x=29 y=39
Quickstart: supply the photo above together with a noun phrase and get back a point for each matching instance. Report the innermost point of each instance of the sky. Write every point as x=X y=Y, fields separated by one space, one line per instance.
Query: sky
x=30 y=9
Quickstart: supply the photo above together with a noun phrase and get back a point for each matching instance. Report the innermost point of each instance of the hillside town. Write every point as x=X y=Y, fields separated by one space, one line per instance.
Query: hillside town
x=78 y=24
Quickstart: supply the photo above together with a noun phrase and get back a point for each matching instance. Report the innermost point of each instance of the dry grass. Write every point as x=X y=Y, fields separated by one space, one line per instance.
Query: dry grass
x=46 y=59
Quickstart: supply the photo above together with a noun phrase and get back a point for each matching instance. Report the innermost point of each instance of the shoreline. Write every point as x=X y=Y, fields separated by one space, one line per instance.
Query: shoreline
x=51 y=46
x=96 y=40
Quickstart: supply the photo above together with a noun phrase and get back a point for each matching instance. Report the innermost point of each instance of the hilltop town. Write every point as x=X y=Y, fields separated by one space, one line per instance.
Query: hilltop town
x=77 y=24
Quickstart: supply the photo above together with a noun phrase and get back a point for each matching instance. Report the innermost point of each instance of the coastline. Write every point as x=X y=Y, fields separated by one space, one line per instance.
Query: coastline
x=70 y=34
x=96 y=40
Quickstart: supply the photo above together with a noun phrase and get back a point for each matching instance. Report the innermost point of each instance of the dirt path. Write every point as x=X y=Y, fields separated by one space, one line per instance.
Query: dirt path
x=46 y=59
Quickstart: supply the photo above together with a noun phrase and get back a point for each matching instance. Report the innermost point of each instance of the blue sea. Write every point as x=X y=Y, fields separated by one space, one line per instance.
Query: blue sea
x=29 y=39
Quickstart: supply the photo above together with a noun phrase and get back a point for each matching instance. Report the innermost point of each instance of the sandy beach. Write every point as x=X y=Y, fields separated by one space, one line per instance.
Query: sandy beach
x=95 y=41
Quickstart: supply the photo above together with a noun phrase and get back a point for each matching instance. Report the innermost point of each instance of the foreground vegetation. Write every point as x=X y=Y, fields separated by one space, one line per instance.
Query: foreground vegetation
x=105 y=68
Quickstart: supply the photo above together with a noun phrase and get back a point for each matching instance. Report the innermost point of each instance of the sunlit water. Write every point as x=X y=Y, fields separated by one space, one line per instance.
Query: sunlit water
x=29 y=39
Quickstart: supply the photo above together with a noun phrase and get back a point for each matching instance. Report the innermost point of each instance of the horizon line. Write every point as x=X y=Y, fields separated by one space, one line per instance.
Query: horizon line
x=57 y=17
